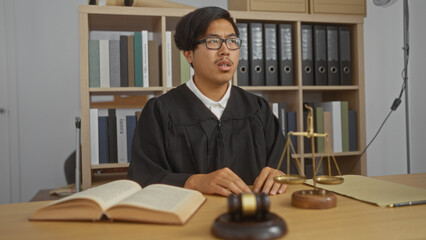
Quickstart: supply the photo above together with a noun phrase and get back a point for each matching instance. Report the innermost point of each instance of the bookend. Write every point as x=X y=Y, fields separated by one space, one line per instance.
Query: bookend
x=311 y=198
x=248 y=217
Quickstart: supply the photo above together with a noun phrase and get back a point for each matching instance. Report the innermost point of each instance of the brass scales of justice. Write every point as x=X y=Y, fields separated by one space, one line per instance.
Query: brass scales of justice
x=316 y=198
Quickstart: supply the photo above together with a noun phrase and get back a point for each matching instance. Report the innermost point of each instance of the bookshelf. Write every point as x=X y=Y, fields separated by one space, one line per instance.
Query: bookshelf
x=160 y=20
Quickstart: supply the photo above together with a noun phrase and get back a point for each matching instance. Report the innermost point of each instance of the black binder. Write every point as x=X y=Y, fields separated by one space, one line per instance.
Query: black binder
x=333 y=55
x=320 y=54
x=243 y=64
x=271 y=63
x=285 y=55
x=345 y=55
x=256 y=62
x=307 y=55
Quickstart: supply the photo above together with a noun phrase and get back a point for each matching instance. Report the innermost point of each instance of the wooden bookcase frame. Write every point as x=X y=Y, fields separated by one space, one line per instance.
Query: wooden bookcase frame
x=160 y=20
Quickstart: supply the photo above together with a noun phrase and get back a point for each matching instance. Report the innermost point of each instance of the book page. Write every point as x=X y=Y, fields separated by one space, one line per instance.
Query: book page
x=107 y=194
x=160 y=197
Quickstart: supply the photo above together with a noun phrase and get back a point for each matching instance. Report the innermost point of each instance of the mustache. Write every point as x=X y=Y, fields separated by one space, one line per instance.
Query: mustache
x=224 y=59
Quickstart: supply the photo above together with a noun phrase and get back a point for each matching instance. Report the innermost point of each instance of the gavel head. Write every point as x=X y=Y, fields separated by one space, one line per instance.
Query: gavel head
x=245 y=206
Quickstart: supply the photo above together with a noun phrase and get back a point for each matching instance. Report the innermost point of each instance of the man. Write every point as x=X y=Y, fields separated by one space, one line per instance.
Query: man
x=207 y=134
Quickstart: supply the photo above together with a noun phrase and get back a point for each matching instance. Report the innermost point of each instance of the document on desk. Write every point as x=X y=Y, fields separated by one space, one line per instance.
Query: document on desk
x=379 y=192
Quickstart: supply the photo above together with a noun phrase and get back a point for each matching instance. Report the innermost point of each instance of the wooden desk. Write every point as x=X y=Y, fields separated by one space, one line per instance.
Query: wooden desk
x=351 y=219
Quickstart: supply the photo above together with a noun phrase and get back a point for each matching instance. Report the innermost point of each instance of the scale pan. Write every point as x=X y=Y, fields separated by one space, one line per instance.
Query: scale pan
x=325 y=179
x=289 y=179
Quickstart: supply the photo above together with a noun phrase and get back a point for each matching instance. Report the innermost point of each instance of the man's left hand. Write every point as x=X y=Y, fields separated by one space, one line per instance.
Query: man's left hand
x=265 y=182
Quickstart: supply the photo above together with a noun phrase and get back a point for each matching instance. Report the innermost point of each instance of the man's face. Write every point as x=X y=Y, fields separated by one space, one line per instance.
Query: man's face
x=215 y=66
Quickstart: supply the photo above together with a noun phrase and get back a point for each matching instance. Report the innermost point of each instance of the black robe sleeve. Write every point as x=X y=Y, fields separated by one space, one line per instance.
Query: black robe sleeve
x=149 y=163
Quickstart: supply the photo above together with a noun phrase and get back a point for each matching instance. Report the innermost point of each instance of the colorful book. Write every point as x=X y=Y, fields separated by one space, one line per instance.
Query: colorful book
x=319 y=128
x=138 y=59
x=94 y=71
x=131 y=60
x=345 y=126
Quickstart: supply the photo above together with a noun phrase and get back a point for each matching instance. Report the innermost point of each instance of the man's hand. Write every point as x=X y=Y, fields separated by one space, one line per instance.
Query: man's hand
x=265 y=182
x=223 y=182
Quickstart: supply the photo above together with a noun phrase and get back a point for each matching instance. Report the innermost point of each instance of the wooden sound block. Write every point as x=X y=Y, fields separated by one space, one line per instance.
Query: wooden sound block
x=270 y=228
x=314 y=199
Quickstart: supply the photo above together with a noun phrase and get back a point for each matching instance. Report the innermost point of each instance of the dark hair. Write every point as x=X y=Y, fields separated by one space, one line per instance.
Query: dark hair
x=195 y=24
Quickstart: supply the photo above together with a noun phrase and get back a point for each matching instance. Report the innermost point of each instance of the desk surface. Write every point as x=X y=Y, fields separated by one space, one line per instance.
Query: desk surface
x=351 y=219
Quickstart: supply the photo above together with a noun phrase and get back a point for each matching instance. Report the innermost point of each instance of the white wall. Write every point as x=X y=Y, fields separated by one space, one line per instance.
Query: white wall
x=47 y=79
x=417 y=85
x=383 y=40
x=47 y=94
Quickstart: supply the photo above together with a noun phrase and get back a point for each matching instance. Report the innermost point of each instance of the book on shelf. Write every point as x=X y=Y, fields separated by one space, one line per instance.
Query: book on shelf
x=94 y=136
x=279 y=110
x=111 y=134
x=125 y=200
x=94 y=67
x=352 y=130
x=145 y=63
x=168 y=59
x=104 y=63
x=328 y=128
x=154 y=63
x=138 y=59
x=114 y=63
x=130 y=130
x=103 y=136
x=319 y=128
x=335 y=108
x=176 y=62
x=131 y=60
x=345 y=125
x=124 y=75
x=122 y=132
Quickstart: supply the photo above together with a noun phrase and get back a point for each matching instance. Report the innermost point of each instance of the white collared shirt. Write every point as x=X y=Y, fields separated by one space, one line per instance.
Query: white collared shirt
x=217 y=108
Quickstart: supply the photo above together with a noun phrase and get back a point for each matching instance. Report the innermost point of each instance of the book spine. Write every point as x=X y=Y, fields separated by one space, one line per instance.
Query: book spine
x=145 y=62
x=112 y=136
x=130 y=128
x=138 y=59
x=131 y=60
x=124 y=78
x=104 y=63
x=94 y=71
x=94 y=136
x=169 y=59
x=103 y=136
x=345 y=126
x=114 y=63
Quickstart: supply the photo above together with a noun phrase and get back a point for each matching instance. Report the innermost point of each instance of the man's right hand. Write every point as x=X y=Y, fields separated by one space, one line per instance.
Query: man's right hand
x=223 y=182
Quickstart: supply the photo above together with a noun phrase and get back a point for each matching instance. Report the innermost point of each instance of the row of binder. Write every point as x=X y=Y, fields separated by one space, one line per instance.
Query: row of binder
x=326 y=55
x=266 y=55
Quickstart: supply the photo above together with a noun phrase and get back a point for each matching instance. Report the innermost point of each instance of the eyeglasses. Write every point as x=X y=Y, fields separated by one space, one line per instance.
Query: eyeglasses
x=215 y=43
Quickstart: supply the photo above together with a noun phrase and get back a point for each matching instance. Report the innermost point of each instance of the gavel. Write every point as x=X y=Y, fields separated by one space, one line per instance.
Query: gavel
x=248 y=206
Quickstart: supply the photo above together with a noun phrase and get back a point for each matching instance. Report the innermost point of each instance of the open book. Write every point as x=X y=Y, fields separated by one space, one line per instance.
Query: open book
x=125 y=200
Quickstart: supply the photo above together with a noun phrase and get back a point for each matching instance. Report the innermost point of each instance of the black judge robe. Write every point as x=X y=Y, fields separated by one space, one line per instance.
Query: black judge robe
x=178 y=136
